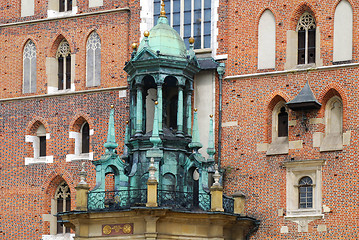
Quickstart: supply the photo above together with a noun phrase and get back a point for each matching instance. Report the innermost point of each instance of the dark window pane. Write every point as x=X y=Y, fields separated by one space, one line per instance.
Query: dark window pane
x=69 y=5
x=60 y=61
x=301 y=47
x=60 y=208
x=62 y=5
x=85 y=138
x=283 y=123
x=42 y=146
x=311 y=46
x=68 y=71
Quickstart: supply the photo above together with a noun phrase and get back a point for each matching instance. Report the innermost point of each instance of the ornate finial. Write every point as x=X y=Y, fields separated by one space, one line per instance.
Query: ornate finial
x=211 y=116
x=134 y=46
x=152 y=170
x=146 y=33
x=156 y=103
x=195 y=109
x=83 y=175
x=216 y=176
x=163 y=12
x=112 y=106
x=127 y=122
x=191 y=40
x=111 y=140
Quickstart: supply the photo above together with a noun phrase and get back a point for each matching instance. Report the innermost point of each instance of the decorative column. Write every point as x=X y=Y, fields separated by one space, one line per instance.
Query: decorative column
x=189 y=112
x=160 y=106
x=139 y=111
x=132 y=112
x=180 y=112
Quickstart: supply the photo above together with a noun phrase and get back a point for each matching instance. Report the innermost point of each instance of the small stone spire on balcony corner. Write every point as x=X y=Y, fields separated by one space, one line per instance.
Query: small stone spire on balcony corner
x=195 y=144
x=152 y=170
x=111 y=144
x=211 y=150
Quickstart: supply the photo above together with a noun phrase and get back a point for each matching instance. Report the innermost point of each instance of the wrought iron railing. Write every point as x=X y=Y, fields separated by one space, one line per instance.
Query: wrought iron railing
x=184 y=200
x=125 y=199
x=116 y=200
x=228 y=204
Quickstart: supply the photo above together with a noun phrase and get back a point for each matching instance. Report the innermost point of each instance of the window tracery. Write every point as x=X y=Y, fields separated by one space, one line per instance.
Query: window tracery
x=306 y=29
x=63 y=56
x=93 y=49
x=29 y=67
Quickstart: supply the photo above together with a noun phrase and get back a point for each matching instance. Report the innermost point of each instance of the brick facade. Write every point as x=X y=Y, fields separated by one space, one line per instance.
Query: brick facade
x=249 y=96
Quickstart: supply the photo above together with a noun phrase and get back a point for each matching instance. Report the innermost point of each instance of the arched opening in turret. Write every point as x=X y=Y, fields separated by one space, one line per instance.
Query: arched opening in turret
x=193 y=185
x=150 y=90
x=170 y=102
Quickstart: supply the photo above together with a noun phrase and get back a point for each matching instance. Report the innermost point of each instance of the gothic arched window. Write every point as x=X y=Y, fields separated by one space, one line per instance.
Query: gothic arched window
x=29 y=67
x=305 y=189
x=63 y=56
x=93 y=60
x=63 y=204
x=306 y=29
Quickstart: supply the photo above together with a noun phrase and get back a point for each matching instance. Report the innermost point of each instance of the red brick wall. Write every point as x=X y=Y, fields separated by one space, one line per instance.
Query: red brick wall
x=250 y=100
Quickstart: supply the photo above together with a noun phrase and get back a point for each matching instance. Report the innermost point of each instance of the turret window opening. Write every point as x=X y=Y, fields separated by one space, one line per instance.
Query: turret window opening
x=170 y=103
x=63 y=56
x=150 y=88
x=306 y=39
x=305 y=189
x=65 y=5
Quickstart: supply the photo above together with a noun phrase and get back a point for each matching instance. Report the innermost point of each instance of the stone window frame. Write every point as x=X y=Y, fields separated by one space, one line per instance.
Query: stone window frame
x=149 y=19
x=29 y=67
x=306 y=24
x=332 y=141
x=296 y=170
x=52 y=69
x=35 y=140
x=278 y=145
x=292 y=48
x=77 y=136
x=54 y=9
x=93 y=45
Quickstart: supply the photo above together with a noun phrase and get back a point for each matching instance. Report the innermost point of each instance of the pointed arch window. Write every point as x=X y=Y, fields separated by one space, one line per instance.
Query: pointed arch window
x=93 y=60
x=29 y=67
x=63 y=56
x=306 y=29
x=63 y=204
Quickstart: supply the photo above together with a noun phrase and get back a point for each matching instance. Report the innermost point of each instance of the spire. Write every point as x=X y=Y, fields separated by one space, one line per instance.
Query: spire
x=195 y=144
x=163 y=12
x=211 y=150
x=127 y=138
x=111 y=140
x=155 y=139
